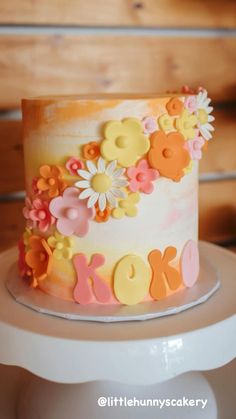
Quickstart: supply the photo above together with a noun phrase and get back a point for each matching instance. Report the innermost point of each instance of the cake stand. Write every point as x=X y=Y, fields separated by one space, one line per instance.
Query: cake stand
x=78 y=363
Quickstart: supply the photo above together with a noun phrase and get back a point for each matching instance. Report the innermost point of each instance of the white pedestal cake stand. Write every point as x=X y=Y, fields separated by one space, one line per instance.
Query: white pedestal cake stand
x=133 y=359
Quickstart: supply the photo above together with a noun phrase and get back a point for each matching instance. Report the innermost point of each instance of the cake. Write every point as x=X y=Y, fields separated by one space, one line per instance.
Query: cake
x=111 y=203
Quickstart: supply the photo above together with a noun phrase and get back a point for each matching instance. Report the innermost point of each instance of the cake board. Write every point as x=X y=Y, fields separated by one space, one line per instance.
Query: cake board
x=134 y=354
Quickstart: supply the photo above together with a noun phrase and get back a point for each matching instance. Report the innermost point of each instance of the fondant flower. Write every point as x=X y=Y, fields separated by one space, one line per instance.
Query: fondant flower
x=141 y=177
x=35 y=188
x=26 y=236
x=194 y=147
x=124 y=141
x=40 y=215
x=24 y=270
x=168 y=155
x=190 y=103
x=72 y=213
x=39 y=257
x=62 y=246
x=101 y=184
x=91 y=151
x=102 y=216
x=149 y=125
x=26 y=212
x=127 y=206
x=186 y=124
x=51 y=180
x=174 y=106
x=74 y=164
x=204 y=118
x=165 y=122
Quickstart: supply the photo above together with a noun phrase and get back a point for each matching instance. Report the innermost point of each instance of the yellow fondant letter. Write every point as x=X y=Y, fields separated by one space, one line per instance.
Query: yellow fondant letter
x=131 y=280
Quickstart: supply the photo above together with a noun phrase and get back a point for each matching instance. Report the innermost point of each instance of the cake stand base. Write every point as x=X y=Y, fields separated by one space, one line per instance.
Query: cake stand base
x=47 y=400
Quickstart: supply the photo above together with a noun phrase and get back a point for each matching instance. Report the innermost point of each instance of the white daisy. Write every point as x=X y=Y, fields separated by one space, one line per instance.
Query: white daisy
x=203 y=115
x=102 y=183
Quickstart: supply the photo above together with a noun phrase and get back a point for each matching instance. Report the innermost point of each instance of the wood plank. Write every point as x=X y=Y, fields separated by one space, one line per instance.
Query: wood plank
x=220 y=156
x=37 y=65
x=217 y=215
x=150 y=13
x=11 y=157
x=217 y=211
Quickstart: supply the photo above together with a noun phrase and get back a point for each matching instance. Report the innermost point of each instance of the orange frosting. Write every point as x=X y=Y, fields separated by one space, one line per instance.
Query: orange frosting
x=91 y=150
x=39 y=257
x=174 y=106
x=51 y=180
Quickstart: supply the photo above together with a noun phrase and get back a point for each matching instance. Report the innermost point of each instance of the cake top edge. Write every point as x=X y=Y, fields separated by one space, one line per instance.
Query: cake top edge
x=106 y=96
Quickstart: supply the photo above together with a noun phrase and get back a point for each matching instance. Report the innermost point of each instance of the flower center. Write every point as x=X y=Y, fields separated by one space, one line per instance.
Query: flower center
x=51 y=181
x=202 y=116
x=167 y=153
x=141 y=177
x=74 y=166
x=187 y=125
x=42 y=257
x=101 y=182
x=59 y=246
x=71 y=213
x=42 y=215
x=122 y=141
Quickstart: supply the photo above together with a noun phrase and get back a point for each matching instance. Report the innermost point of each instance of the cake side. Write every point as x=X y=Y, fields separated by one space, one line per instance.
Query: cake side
x=112 y=207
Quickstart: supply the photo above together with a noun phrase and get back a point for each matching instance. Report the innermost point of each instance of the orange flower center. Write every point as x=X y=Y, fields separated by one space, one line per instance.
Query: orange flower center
x=42 y=256
x=51 y=181
x=91 y=151
x=167 y=153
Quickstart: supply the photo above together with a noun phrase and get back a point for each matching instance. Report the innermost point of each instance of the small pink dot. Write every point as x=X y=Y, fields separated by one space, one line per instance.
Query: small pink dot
x=74 y=166
x=71 y=213
x=141 y=177
x=42 y=215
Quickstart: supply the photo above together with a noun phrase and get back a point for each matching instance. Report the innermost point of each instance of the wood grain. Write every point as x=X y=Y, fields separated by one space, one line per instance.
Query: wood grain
x=217 y=215
x=150 y=13
x=217 y=211
x=220 y=156
x=37 y=65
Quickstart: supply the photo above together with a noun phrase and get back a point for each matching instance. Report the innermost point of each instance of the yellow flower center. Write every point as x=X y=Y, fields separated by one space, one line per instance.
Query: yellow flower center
x=122 y=141
x=187 y=125
x=202 y=116
x=59 y=246
x=101 y=183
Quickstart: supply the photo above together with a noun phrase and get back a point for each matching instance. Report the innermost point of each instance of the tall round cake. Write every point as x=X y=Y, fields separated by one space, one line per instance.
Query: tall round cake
x=112 y=195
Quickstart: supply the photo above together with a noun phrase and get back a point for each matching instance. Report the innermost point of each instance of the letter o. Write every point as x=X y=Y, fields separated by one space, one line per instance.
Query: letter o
x=131 y=280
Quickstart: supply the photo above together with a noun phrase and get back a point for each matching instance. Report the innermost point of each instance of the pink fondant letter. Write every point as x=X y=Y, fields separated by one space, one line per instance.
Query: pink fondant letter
x=83 y=291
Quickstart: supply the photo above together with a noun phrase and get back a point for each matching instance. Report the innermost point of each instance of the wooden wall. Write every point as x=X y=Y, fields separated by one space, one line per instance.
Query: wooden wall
x=68 y=46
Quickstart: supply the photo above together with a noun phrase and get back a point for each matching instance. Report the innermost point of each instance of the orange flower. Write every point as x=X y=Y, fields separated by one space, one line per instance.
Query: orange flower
x=51 y=180
x=174 y=106
x=39 y=257
x=163 y=274
x=91 y=151
x=168 y=155
x=102 y=216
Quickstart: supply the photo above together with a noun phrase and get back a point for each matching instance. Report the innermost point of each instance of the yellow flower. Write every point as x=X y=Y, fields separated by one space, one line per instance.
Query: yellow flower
x=62 y=246
x=186 y=125
x=189 y=168
x=124 y=141
x=26 y=236
x=127 y=206
x=165 y=122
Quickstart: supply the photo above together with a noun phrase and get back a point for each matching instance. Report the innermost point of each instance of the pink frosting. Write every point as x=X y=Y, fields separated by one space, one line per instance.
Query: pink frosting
x=73 y=165
x=84 y=292
x=194 y=147
x=72 y=213
x=189 y=263
x=190 y=103
x=37 y=214
x=149 y=125
x=141 y=177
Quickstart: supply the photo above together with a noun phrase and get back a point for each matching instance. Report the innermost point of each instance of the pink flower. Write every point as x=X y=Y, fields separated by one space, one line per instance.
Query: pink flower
x=38 y=215
x=73 y=165
x=141 y=177
x=194 y=147
x=149 y=125
x=72 y=213
x=190 y=103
